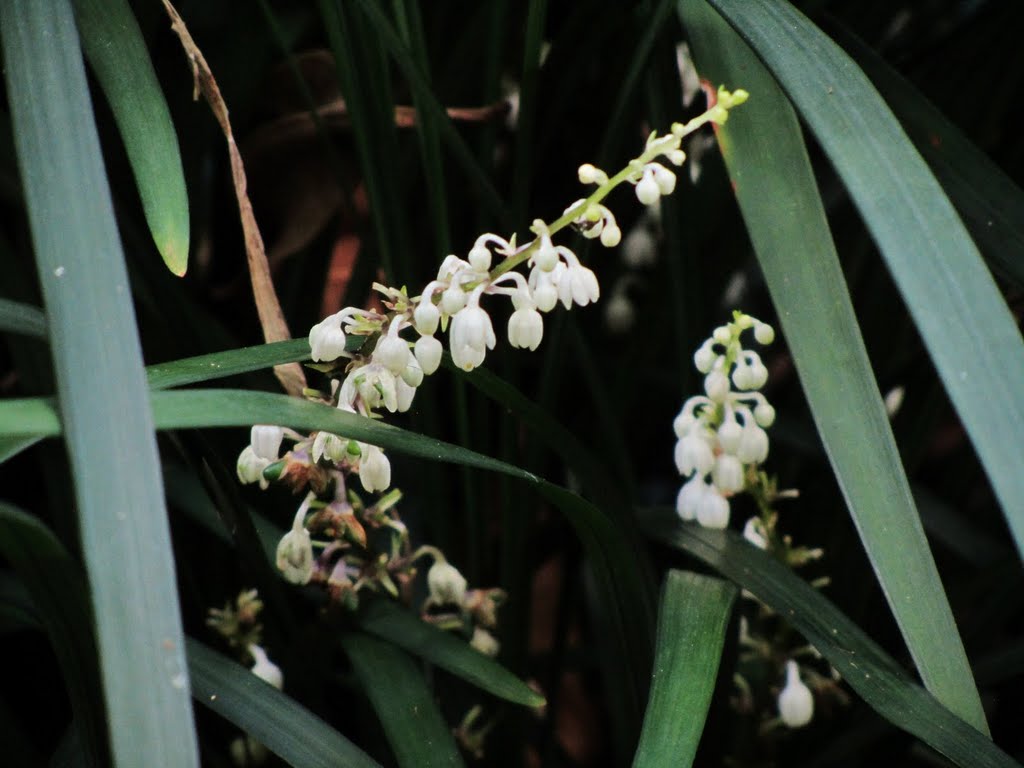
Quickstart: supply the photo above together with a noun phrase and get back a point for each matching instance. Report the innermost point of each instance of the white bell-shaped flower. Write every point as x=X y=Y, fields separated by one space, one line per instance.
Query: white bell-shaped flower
x=428 y=351
x=327 y=339
x=447 y=586
x=393 y=353
x=525 y=325
x=796 y=703
x=694 y=452
x=374 y=469
x=727 y=474
x=249 y=467
x=266 y=441
x=471 y=336
x=426 y=317
x=713 y=508
x=295 y=550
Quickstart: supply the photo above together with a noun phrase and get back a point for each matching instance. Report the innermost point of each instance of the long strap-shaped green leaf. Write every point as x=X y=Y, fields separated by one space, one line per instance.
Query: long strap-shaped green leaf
x=102 y=390
x=694 y=614
x=114 y=46
x=964 y=321
x=777 y=193
x=413 y=724
x=875 y=676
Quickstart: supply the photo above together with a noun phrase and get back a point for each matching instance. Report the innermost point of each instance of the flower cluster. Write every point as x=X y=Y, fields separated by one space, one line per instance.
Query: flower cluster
x=721 y=434
x=394 y=349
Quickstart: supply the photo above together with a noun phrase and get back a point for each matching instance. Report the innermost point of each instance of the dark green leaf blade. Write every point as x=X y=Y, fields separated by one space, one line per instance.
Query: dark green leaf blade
x=109 y=431
x=969 y=332
x=400 y=627
x=874 y=675
x=694 y=615
x=113 y=43
x=784 y=215
x=286 y=728
x=414 y=727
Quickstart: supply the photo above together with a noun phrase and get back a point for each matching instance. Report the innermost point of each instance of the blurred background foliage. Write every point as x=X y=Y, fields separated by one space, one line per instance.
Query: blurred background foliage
x=347 y=190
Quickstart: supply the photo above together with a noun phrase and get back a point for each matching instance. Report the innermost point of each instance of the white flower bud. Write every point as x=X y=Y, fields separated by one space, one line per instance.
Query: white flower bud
x=676 y=156
x=425 y=317
x=753 y=532
x=470 y=337
x=729 y=435
x=716 y=385
x=753 y=447
x=546 y=257
x=327 y=339
x=264 y=668
x=295 y=551
x=484 y=642
x=428 y=351
x=758 y=375
x=480 y=258
x=546 y=296
x=266 y=441
x=647 y=191
x=611 y=235
x=682 y=423
x=453 y=299
x=693 y=454
x=447 y=586
x=728 y=473
x=743 y=375
x=764 y=414
x=374 y=469
x=704 y=358
x=713 y=509
x=722 y=334
x=393 y=353
x=664 y=178
x=764 y=333
x=796 y=703
x=690 y=496
x=589 y=174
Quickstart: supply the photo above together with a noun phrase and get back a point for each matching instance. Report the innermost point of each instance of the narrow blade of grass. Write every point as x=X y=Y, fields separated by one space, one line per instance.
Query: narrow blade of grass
x=413 y=725
x=117 y=53
x=694 y=614
x=767 y=161
x=102 y=390
x=876 y=677
x=281 y=724
x=969 y=332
